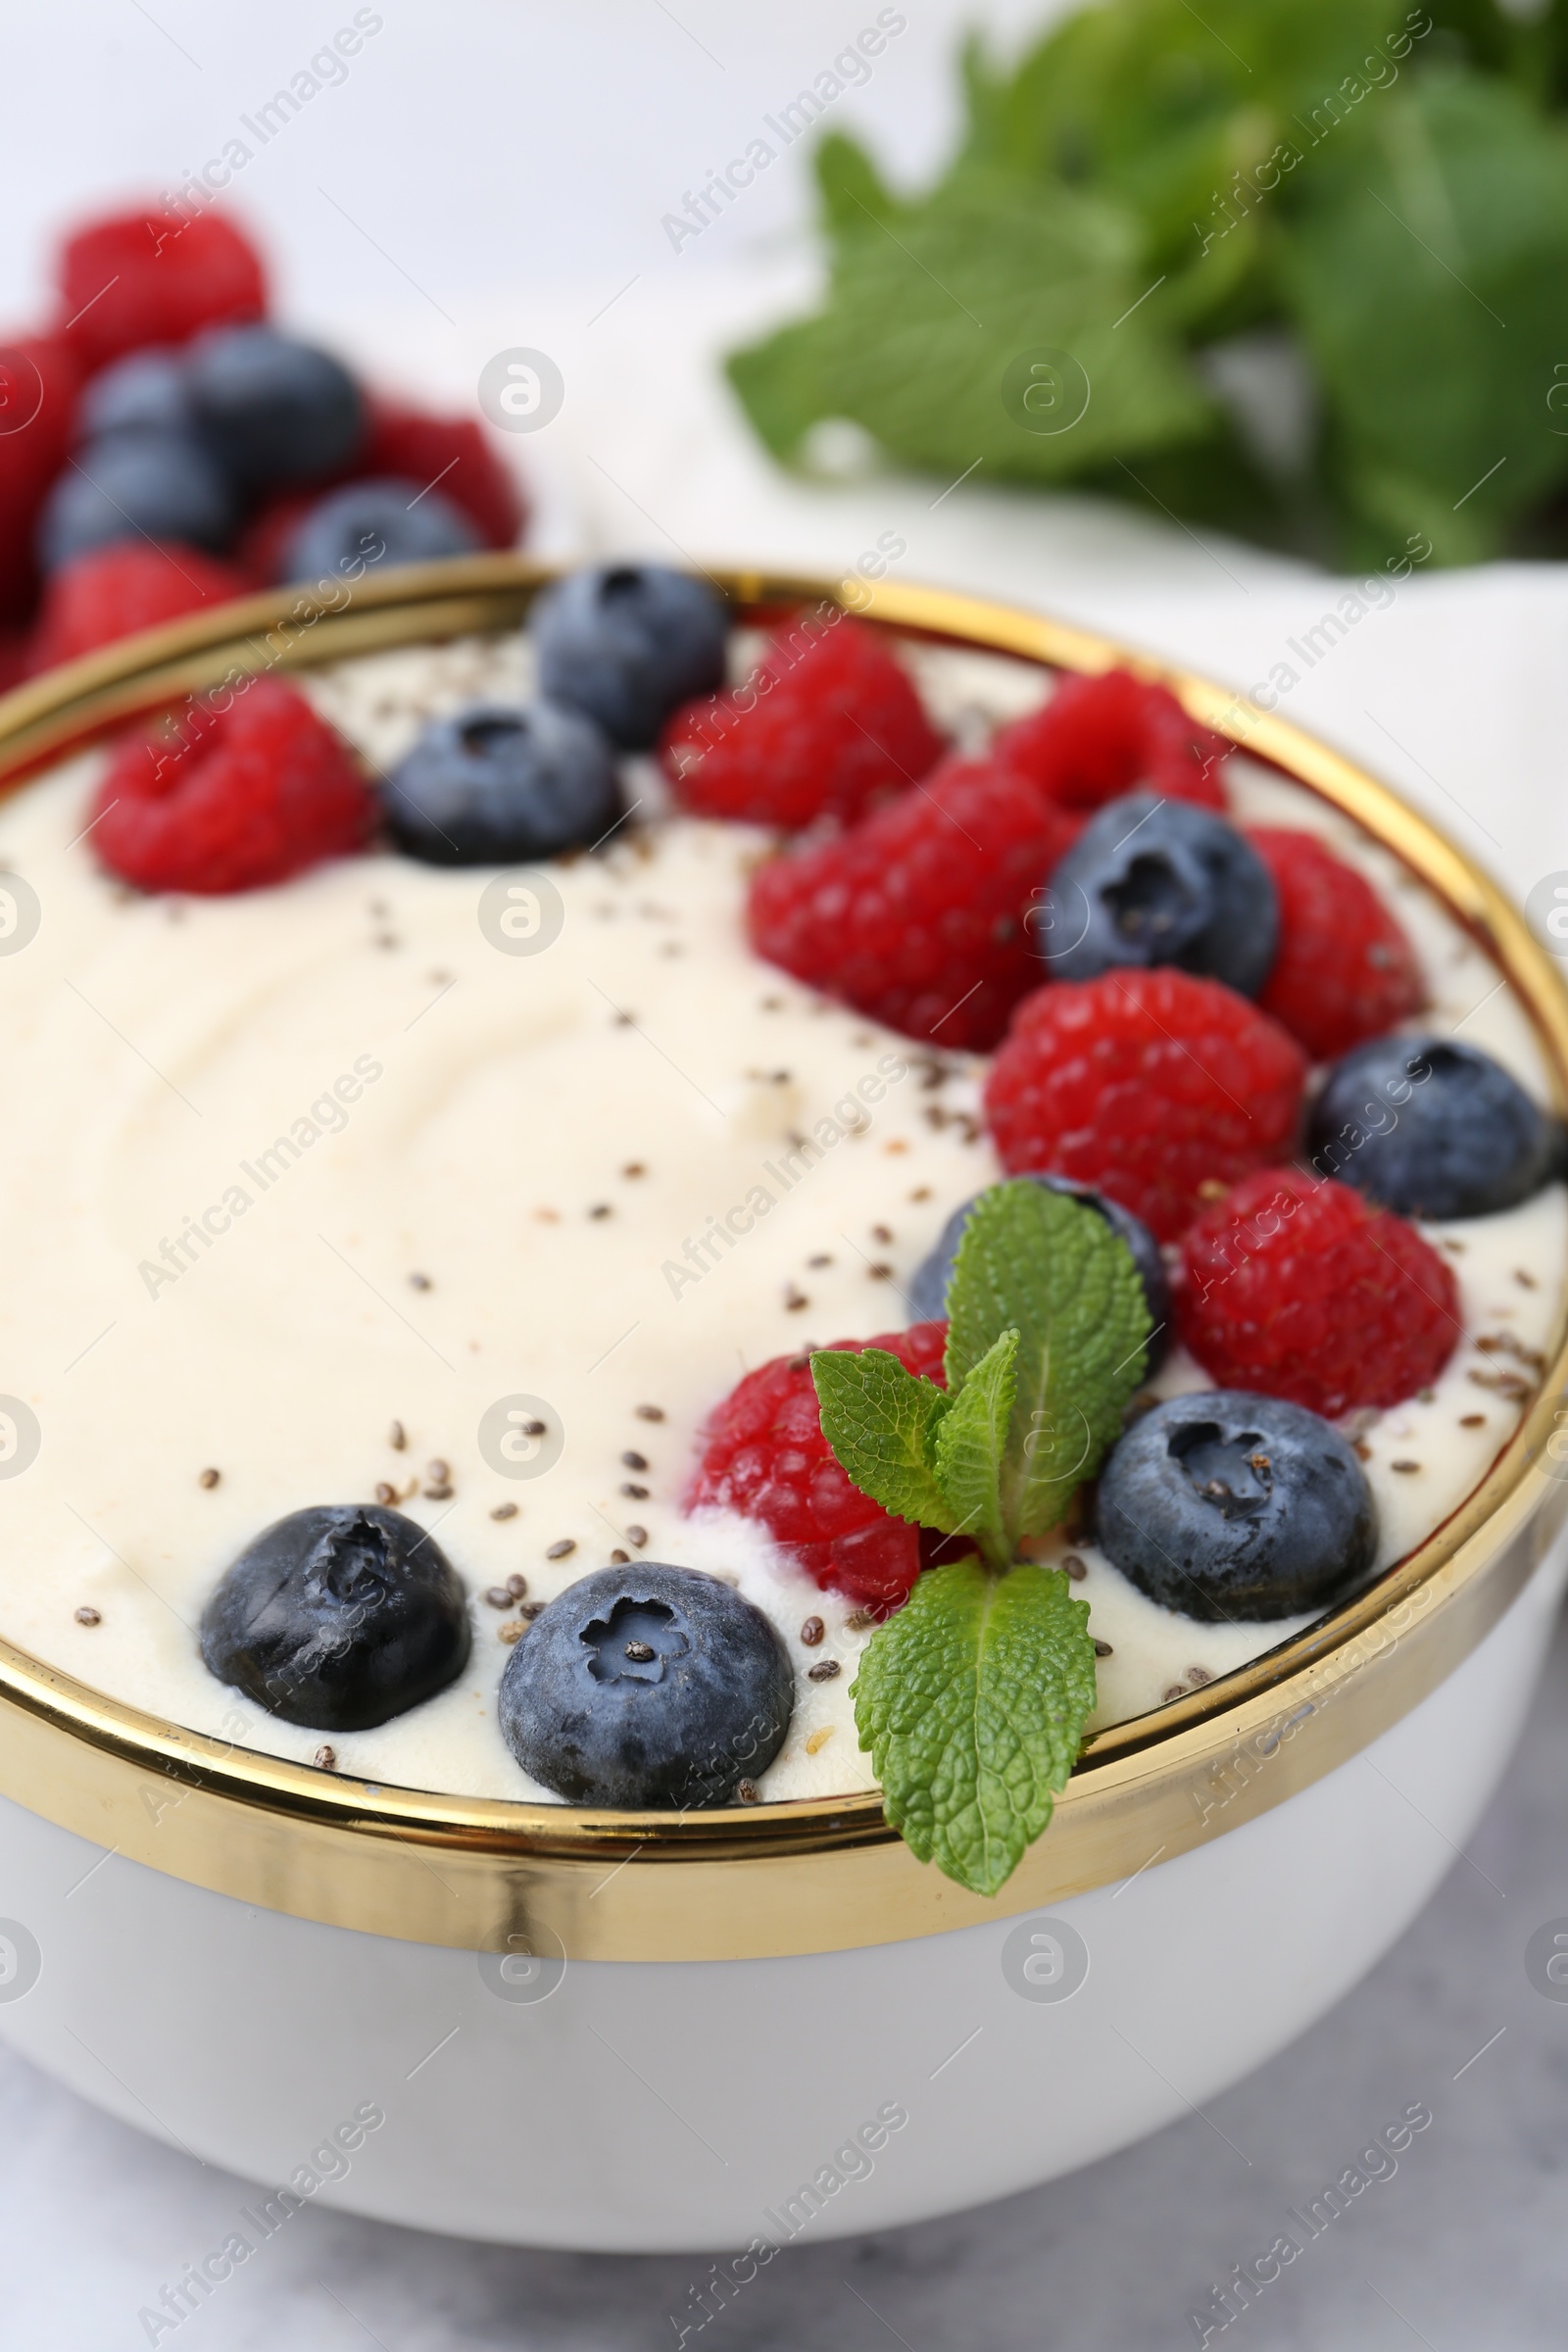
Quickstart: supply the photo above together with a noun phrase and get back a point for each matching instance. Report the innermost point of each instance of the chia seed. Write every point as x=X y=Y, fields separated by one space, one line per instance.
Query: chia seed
x=634 y=1461
x=745 y=1792
x=324 y=1759
x=633 y=1492
x=397 y=1438
x=383 y=1492
x=812 y=1632
x=504 y=1510
x=562 y=1550
x=88 y=1615
x=208 y=1478
x=823 y=1671
x=636 y=1537
x=649 y=1412
x=1074 y=1567
x=1103 y=1649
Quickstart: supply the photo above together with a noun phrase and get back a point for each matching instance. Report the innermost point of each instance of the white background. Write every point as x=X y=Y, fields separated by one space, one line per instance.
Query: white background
x=489 y=145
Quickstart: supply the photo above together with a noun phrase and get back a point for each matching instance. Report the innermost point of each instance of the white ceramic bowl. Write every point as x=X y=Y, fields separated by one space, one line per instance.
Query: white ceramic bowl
x=721 y=2032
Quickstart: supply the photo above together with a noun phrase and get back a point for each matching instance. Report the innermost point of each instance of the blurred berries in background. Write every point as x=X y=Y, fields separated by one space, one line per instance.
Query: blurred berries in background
x=164 y=445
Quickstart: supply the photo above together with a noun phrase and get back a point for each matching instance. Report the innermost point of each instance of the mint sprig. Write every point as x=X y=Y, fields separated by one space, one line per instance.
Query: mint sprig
x=1224 y=165
x=972 y=1699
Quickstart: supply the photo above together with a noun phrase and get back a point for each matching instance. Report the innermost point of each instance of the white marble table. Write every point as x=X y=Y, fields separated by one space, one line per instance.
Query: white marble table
x=1466 y=2246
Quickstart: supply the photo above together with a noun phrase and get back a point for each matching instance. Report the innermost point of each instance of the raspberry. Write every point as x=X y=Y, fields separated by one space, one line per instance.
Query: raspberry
x=1304 y=1290
x=1155 y=1087
x=151 y=278
x=1344 y=970
x=826 y=721
x=451 y=451
x=262 y=545
x=131 y=584
x=764 y=1454
x=231 y=799
x=39 y=380
x=918 y=915
x=1098 y=737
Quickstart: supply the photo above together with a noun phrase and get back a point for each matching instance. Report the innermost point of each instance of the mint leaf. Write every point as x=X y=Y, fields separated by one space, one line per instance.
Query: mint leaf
x=929 y=308
x=1050 y=1268
x=1425 y=260
x=972 y=1702
x=970 y=1442
x=882 y=1423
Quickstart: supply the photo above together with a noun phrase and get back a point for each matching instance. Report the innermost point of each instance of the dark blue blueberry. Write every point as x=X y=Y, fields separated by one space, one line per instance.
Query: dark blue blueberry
x=1431 y=1128
x=148 y=392
x=275 y=410
x=338 y=1617
x=365 y=523
x=1223 y=1504
x=1154 y=881
x=628 y=644
x=136 y=485
x=492 y=786
x=647 y=1685
x=928 y=1291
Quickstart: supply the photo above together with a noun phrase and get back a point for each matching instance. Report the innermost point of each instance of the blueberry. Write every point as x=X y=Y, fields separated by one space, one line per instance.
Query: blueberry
x=1223 y=1504
x=489 y=786
x=1431 y=1128
x=136 y=485
x=365 y=523
x=928 y=1291
x=148 y=392
x=275 y=410
x=647 y=1685
x=338 y=1617
x=628 y=644
x=1156 y=881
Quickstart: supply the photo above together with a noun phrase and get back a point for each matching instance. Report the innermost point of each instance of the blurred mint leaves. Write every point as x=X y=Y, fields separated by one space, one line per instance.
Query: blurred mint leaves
x=974 y=1697
x=1155 y=213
